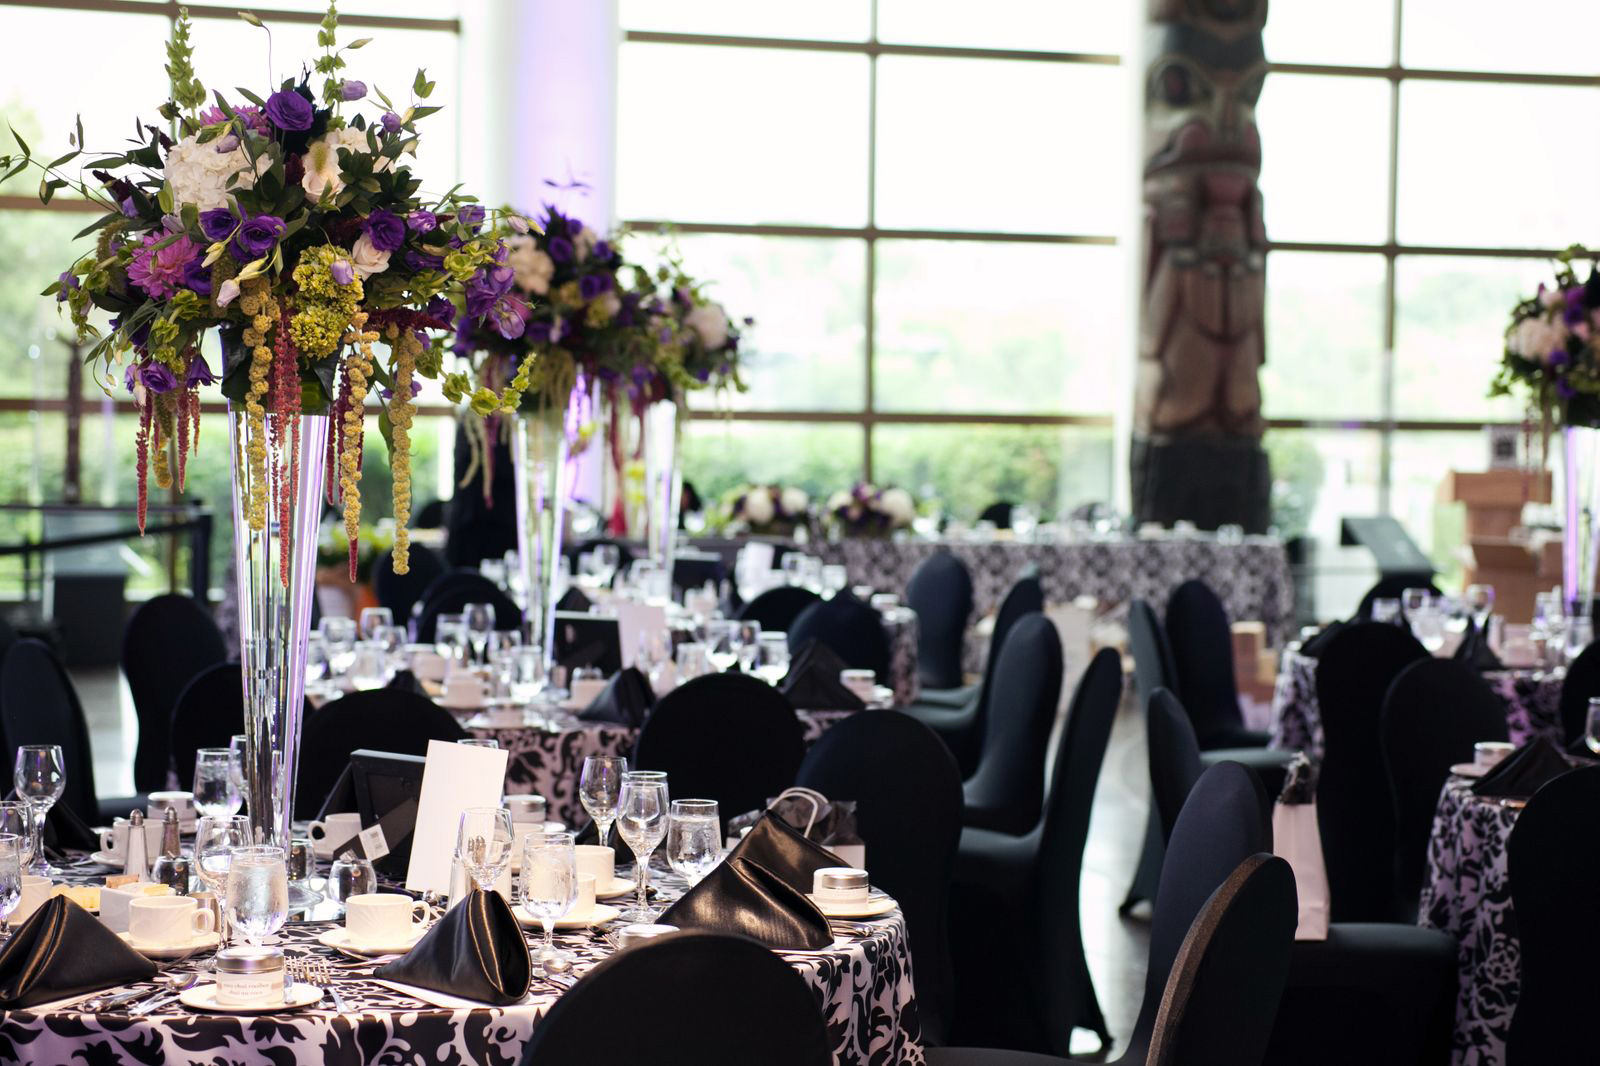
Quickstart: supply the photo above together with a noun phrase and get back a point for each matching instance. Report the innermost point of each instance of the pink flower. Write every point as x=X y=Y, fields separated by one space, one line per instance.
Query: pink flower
x=160 y=272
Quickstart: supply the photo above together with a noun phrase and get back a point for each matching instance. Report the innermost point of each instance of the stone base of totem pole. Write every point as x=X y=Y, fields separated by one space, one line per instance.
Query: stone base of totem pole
x=1210 y=481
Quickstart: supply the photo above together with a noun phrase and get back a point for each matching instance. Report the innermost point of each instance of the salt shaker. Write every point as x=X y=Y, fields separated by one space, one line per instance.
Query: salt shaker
x=137 y=862
x=171 y=868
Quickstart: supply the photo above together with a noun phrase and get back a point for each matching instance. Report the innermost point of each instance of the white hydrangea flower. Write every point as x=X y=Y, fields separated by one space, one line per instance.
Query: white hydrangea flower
x=710 y=321
x=898 y=505
x=533 y=269
x=198 y=174
x=794 y=501
x=758 y=507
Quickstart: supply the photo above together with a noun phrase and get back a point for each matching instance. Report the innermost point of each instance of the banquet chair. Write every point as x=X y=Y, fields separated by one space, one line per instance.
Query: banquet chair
x=208 y=713
x=387 y=719
x=401 y=592
x=1554 y=870
x=1176 y=761
x=687 y=999
x=1153 y=669
x=452 y=591
x=851 y=628
x=1016 y=942
x=961 y=723
x=38 y=705
x=1581 y=684
x=166 y=644
x=1006 y=791
x=1202 y=657
x=1433 y=714
x=728 y=737
x=940 y=591
x=1354 y=810
x=999 y=513
x=1390 y=588
x=908 y=811
x=777 y=608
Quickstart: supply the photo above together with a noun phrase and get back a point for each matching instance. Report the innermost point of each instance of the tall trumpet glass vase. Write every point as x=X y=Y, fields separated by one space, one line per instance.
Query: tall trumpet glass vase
x=1580 y=538
x=539 y=456
x=275 y=568
x=663 y=480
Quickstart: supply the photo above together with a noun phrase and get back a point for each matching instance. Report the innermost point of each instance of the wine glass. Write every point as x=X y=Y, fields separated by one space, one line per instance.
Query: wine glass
x=258 y=891
x=549 y=888
x=216 y=788
x=483 y=844
x=746 y=643
x=370 y=665
x=11 y=865
x=528 y=675
x=774 y=656
x=607 y=559
x=694 y=838
x=599 y=788
x=642 y=811
x=350 y=876
x=16 y=819
x=316 y=659
x=479 y=619
x=339 y=634
x=479 y=742
x=1579 y=634
x=450 y=636
x=40 y=778
x=237 y=745
x=1480 y=601
x=1387 y=610
x=374 y=618
x=719 y=643
x=215 y=841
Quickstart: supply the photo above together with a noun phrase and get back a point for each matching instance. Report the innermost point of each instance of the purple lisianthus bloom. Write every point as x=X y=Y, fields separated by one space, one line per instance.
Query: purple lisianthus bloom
x=441 y=308
x=342 y=270
x=1573 y=313
x=390 y=122
x=602 y=250
x=470 y=215
x=256 y=237
x=385 y=230
x=422 y=220
x=560 y=250
x=1558 y=357
x=226 y=143
x=487 y=286
x=419 y=261
x=593 y=285
x=199 y=372
x=69 y=281
x=157 y=378
x=574 y=227
x=288 y=110
x=509 y=316
x=197 y=276
x=538 y=332
x=1564 y=389
x=352 y=90
x=216 y=223
x=128 y=210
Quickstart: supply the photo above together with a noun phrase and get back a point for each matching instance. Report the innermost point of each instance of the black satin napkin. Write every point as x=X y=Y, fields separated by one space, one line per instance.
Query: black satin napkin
x=1314 y=647
x=813 y=681
x=574 y=601
x=406 y=681
x=64 y=951
x=1524 y=772
x=1474 y=650
x=783 y=850
x=475 y=951
x=744 y=898
x=626 y=700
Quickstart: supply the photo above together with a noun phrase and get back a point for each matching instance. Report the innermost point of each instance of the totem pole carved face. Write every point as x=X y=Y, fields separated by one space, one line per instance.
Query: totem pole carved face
x=1201 y=341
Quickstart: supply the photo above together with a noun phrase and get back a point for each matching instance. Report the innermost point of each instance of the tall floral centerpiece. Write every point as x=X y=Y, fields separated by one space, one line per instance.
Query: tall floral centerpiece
x=288 y=224
x=764 y=510
x=868 y=511
x=1551 y=359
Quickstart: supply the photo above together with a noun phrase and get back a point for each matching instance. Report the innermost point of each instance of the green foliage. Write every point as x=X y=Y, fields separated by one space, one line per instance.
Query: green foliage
x=187 y=92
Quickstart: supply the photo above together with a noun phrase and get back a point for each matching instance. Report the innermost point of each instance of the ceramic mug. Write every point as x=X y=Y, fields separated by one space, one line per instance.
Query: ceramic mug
x=597 y=862
x=1488 y=753
x=382 y=918
x=167 y=920
x=35 y=890
x=334 y=832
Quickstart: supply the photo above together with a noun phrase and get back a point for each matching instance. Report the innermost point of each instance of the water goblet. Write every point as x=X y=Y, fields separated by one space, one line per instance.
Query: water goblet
x=350 y=876
x=774 y=657
x=339 y=634
x=316 y=659
x=450 y=637
x=1386 y=610
x=746 y=643
x=483 y=844
x=257 y=891
x=215 y=841
x=642 y=811
x=16 y=819
x=607 y=560
x=39 y=778
x=479 y=618
x=216 y=786
x=694 y=838
x=372 y=619
x=599 y=788
x=11 y=866
x=369 y=667
x=549 y=889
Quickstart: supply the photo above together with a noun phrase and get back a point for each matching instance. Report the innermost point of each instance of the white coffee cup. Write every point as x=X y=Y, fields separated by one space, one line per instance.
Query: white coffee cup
x=527 y=808
x=182 y=802
x=598 y=862
x=1489 y=753
x=464 y=689
x=167 y=920
x=426 y=664
x=861 y=682
x=334 y=831
x=114 y=841
x=583 y=906
x=35 y=890
x=382 y=918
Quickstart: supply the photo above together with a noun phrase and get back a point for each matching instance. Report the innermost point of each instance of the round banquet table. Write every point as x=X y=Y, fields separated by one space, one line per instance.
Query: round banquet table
x=1467 y=893
x=863 y=983
x=1532 y=699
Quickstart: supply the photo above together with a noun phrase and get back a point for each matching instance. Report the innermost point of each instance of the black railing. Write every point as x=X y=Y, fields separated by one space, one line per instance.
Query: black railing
x=190 y=519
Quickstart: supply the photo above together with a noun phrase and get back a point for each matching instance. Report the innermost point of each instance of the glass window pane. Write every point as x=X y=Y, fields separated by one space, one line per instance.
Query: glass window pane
x=1543 y=36
x=417 y=9
x=1324 y=336
x=1029 y=25
x=1419 y=464
x=1349 y=33
x=35 y=331
x=960 y=470
x=960 y=146
x=1325 y=158
x=1497 y=165
x=819 y=457
x=1318 y=477
x=969 y=326
x=817 y=20
x=807 y=348
x=752 y=135
x=1450 y=323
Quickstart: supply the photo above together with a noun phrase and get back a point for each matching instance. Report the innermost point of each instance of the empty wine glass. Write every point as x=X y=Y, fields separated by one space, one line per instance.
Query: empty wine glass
x=694 y=838
x=238 y=744
x=11 y=866
x=450 y=637
x=549 y=889
x=720 y=649
x=215 y=841
x=1387 y=610
x=774 y=657
x=40 y=778
x=339 y=634
x=607 y=559
x=372 y=619
x=642 y=811
x=599 y=789
x=528 y=675
x=350 y=876
x=16 y=819
x=692 y=660
x=316 y=659
x=479 y=618
x=483 y=844
x=216 y=786
x=258 y=891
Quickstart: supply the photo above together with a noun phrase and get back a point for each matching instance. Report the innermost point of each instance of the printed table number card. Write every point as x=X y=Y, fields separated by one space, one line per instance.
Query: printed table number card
x=455 y=777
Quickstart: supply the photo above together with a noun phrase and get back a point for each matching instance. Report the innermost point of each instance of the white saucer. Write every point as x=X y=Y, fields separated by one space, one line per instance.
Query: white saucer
x=200 y=942
x=870 y=907
x=204 y=997
x=599 y=915
x=620 y=886
x=105 y=858
x=339 y=937
x=456 y=705
x=1468 y=769
x=483 y=721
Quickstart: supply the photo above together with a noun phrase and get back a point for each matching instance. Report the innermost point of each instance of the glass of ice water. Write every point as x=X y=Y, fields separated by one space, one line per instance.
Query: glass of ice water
x=694 y=838
x=258 y=891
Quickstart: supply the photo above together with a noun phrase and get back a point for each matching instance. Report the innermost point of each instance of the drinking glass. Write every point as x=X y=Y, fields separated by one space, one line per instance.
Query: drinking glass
x=479 y=742
x=692 y=660
x=339 y=634
x=370 y=665
x=607 y=559
x=479 y=618
x=16 y=819
x=215 y=841
x=503 y=640
x=549 y=889
x=216 y=789
x=483 y=844
x=794 y=568
x=373 y=618
x=393 y=639
x=258 y=891
x=1414 y=600
x=1580 y=633
x=835 y=578
x=528 y=677
x=719 y=643
x=11 y=865
x=694 y=838
x=774 y=657
x=599 y=788
x=450 y=636
x=746 y=644
x=642 y=811
x=316 y=659
x=1386 y=610
x=1591 y=727
x=40 y=778
x=236 y=748
x=350 y=876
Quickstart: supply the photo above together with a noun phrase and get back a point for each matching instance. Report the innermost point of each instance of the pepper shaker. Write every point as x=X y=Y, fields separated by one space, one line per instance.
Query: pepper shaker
x=171 y=867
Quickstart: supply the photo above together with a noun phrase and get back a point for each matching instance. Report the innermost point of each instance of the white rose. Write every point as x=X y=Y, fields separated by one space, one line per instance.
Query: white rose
x=584 y=243
x=367 y=259
x=794 y=501
x=710 y=321
x=611 y=302
x=838 y=500
x=898 y=505
x=198 y=173
x=533 y=269
x=758 y=507
x=1536 y=338
x=321 y=160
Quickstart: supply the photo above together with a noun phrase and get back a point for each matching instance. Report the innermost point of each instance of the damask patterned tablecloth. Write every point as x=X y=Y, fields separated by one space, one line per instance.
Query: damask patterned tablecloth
x=1467 y=893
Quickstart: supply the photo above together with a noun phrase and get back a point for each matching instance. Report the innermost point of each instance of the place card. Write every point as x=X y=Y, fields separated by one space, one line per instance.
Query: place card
x=454 y=777
x=635 y=620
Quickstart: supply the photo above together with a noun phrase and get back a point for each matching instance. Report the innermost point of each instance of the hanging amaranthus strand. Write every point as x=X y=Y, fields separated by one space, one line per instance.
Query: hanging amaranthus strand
x=336 y=436
x=406 y=350
x=142 y=447
x=286 y=406
x=358 y=365
x=184 y=395
x=257 y=302
x=161 y=434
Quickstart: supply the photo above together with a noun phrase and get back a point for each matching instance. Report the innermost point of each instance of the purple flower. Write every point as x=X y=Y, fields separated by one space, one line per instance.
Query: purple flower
x=256 y=237
x=159 y=272
x=249 y=113
x=509 y=316
x=390 y=122
x=288 y=110
x=199 y=372
x=1573 y=313
x=417 y=261
x=158 y=378
x=1564 y=389
x=197 y=276
x=486 y=287
x=69 y=281
x=342 y=270
x=352 y=90
x=602 y=250
x=560 y=250
x=216 y=223
x=574 y=227
x=538 y=332
x=422 y=220
x=470 y=215
x=1558 y=357
x=226 y=143
x=592 y=285
x=128 y=210
x=385 y=230
x=442 y=309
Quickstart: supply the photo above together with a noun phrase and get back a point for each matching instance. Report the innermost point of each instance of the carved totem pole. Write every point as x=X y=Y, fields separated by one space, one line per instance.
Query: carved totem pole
x=1197 y=407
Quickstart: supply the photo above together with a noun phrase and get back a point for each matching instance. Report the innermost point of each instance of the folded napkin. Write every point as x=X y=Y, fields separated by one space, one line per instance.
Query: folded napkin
x=813 y=681
x=1524 y=772
x=1474 y=650
x=63 y=951
x=475 y=951
x=743 y=898
x=406 y=681
x=626 y=700
x=783 y=850
x=1315 y=646
x=574 y=601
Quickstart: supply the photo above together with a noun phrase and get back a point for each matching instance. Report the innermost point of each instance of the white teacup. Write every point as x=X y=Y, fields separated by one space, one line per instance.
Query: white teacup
x=583 y=906
x=35 y=890
x=1489 y=753
x=528 y=808
x=598 y=862
x=463 y=689
x=426 y=664
x=114 y=841
x=861 y=682
x=382 y=918
x=182 y=802
x=167 y=920
x=333 y=832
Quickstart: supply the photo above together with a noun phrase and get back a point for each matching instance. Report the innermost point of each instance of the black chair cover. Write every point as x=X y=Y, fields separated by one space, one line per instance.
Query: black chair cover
x=777 y=608
x=1007 y=791
x=728 y=737
x=907 y=792
x=1433 y=714
x=168 y=641
x=452 y=591
x=851 y=628
x=390 y=719
x=1174 y=752
x=1354 y=811
x=209 y=713
x=999 y=513
x=940 y=591
x=1153 y=669
x=688 y=999
x=401 y=592
x=1582 y=684
x=1202 y=652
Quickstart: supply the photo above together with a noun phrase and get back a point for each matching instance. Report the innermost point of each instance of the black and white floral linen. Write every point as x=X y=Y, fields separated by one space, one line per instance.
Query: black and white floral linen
x=1467 y=893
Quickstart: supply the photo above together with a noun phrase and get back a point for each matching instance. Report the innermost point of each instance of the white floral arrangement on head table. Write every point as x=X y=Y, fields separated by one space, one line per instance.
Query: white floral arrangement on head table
x=772 y=510
x=868 y=511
